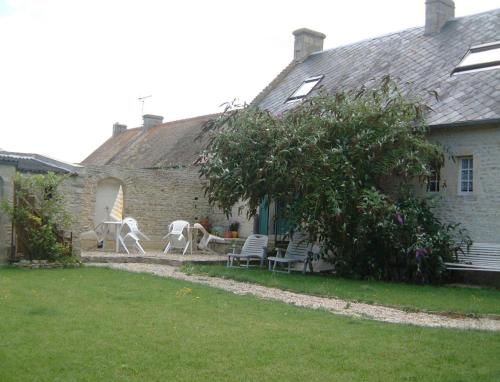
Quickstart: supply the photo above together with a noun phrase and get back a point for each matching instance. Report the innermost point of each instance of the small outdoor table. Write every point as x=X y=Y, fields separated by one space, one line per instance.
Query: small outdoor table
x=116 y=225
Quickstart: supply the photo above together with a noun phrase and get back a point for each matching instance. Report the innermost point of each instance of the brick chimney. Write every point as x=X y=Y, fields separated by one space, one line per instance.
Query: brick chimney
x=150 y=121
x=307 y=41
x=118 y=129
x=437 y=13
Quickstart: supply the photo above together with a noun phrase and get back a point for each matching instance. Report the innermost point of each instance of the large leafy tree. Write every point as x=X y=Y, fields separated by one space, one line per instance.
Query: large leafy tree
x=339 y=163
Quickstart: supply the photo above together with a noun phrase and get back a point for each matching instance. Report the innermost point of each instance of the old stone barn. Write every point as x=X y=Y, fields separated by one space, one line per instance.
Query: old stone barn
x=154 y=164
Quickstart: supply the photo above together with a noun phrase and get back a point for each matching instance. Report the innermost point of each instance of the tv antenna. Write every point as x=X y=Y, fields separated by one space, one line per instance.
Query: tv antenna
x=142 y=99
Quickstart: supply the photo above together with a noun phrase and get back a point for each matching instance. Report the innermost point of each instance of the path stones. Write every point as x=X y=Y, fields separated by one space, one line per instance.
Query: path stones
x=333 y=305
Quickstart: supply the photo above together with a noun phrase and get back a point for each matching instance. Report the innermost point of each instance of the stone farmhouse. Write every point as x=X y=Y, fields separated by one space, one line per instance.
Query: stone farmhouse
x=459 y=58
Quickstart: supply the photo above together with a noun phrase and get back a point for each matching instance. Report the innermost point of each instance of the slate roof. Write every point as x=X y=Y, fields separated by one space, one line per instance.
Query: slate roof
x=409 y=56
x=169 y=144
x=36 y=163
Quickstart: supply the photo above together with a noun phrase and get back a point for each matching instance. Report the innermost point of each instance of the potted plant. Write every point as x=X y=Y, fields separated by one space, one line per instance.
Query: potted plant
x=233 y=227
x=205 y=222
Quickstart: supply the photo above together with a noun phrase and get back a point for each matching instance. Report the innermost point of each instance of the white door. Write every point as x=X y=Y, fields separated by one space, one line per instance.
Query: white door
x=107 y=190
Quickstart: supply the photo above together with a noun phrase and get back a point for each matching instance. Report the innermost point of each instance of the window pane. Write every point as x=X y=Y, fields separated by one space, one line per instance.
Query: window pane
x=433 y=180
x=482 y=57
x=466 y=174
x=305 y=88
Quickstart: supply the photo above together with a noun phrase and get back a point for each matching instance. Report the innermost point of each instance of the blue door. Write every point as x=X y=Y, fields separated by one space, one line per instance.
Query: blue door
x=264 y=216
x=283 y=224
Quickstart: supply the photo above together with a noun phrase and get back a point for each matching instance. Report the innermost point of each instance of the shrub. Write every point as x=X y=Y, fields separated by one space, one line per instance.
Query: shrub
x=404 y=241
x=39 y=216
x=341 y=165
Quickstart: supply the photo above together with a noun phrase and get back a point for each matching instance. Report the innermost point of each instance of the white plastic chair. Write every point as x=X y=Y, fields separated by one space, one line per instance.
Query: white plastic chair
x=133 y=233
x=255 y=248
x=178 y=236
x=207 y=238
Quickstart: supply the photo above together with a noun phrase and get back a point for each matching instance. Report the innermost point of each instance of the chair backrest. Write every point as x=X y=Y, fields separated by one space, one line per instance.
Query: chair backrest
x=299 y=245
x=204 y=240
x=131 y=223
x=177 y=226
x=255 y=245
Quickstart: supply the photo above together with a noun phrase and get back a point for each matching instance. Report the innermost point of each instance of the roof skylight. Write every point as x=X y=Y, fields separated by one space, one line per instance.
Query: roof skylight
x=304 y=89
x=481 y=57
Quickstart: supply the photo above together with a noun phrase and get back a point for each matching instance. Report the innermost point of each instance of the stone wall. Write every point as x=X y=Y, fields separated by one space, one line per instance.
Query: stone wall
x=153 y=197
x=478 y=211
x=7 y=173
x=239 y=214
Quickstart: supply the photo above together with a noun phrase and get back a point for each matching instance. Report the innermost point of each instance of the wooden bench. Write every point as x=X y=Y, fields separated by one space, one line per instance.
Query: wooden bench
x=480 y=257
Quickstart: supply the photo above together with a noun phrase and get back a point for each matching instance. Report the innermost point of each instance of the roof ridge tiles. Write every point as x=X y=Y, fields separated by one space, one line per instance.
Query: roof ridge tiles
x=190 y=119
x=426 y=61
x=264 y=92
x=389 y=34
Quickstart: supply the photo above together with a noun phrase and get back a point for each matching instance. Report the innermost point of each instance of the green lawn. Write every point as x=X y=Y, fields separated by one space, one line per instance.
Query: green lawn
x=104 y=325
x=461 y=300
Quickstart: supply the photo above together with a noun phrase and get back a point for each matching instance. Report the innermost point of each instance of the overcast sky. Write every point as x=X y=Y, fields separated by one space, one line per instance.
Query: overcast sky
x=69 y=69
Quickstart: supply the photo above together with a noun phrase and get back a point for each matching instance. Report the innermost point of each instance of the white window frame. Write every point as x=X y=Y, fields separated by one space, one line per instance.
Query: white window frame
x=479 y=58
x=466 y=174
x=299 y=94
x=434 y=179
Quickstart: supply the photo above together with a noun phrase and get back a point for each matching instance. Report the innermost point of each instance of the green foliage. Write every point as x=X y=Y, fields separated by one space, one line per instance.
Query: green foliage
x=337 y=163
x=39 y=216
x=404 y=241
x=234 y=225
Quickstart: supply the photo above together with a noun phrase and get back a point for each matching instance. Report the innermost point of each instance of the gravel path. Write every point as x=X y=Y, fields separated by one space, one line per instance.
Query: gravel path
x=333 y=305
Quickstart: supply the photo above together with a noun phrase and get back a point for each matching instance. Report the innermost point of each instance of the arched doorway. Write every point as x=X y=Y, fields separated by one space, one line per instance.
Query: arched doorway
x=107 y=190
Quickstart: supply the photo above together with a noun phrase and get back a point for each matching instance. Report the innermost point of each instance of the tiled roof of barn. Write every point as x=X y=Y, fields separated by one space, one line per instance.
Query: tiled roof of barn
x=169 y=144
x=427 y=61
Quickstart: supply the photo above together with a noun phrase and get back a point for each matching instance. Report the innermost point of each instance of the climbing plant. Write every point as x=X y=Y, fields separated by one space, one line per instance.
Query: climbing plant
x=39 y=216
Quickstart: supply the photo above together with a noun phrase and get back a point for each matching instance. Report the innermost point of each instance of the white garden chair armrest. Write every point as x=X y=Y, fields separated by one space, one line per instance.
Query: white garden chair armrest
x=144 y=236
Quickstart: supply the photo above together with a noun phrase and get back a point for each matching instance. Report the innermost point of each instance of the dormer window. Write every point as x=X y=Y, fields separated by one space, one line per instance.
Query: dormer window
x=304 y=89
x=481 y=57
